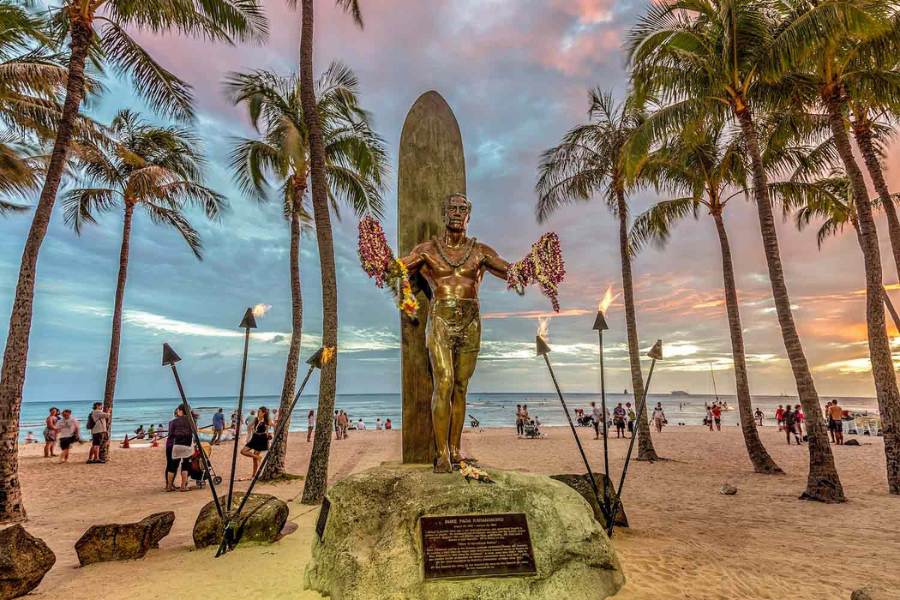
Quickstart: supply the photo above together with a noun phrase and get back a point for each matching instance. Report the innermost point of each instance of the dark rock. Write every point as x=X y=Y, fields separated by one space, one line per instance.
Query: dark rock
x=24 y=560
x=851 y=443
x=870 y=592
x=728 y=490
x=582 y=485
x=130 y=541
x=261 y=520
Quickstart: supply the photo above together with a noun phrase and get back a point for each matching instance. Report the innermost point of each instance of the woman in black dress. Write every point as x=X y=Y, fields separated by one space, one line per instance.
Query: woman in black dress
x=259 y=438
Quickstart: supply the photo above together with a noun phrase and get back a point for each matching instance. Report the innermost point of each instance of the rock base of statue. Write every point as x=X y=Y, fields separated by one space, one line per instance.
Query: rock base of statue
x=371 y=537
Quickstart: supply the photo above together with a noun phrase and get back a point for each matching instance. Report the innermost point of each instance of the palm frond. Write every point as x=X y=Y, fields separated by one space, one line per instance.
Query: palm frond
x=82 y=205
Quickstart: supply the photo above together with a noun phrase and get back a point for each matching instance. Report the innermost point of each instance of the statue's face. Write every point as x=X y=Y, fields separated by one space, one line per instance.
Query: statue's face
x=456 y=217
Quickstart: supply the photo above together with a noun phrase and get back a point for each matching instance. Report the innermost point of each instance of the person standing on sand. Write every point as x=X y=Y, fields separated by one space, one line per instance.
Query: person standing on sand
x=659 y=417
x=525 y=416
x=179 y=434
x=250 y=423
x=759 y=417
x=717 y=417
x=632 y=417
x=310 y=425
x=798 y=420
x=218 y=427
x=779 y=416
x=836 y=413
x=520 y=424
x=50 y=433
x=595 y=415
x=337 y=425
x=69 y=433
x=259 y=438
x=789 y=419
x=99 y=423
x=619 y=420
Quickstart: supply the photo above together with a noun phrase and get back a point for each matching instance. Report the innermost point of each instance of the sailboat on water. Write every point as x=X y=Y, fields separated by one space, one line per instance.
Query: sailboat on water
x=723 y=405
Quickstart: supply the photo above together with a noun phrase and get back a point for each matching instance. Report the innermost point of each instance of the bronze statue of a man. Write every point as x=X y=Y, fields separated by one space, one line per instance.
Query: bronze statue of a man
x=453 y=266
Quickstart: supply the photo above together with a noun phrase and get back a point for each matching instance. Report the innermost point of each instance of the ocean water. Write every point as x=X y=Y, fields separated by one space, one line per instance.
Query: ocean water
x=492 y=410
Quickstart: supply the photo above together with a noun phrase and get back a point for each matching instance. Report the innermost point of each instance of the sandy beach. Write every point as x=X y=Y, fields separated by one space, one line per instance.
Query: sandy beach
x=686 y=539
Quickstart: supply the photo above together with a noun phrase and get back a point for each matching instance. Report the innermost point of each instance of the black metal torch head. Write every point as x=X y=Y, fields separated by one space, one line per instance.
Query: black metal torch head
x=600 y=322
x=656 y=351
x=541 y=347
x=249 y=320
x=322 y=356
x=169 y=356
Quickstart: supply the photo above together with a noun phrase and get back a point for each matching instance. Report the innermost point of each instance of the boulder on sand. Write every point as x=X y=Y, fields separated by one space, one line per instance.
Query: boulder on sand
x=261 y=520
x=582 y=485
x=371 y=546
x=24 y=560
x=130 y=541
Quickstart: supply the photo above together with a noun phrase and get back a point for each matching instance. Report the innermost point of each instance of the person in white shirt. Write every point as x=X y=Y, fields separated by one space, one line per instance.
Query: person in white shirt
x=659 y=417
x=360 y=426
x=69 y=433
x=595 y=413
x=377 y=424
x=99 y=431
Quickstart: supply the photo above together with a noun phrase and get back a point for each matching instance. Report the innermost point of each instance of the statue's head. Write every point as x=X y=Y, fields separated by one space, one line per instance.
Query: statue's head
x=456 y=209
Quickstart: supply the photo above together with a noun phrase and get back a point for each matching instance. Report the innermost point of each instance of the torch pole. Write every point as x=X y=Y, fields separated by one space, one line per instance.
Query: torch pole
x=237 y=427
x=203 y=457
x=892 y=310
x=280 y=431
x=640 y=411
x=605 y=430
x=577 y=440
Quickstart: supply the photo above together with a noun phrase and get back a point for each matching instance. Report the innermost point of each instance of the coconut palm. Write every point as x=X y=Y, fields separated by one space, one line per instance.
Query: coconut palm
x=707 y=167
x=705 y=56
x=101 y=27
x=356 y=164
x=317 y=473
x=828 y=65
x=154 y=169
x=17 y=173
x=589 y=161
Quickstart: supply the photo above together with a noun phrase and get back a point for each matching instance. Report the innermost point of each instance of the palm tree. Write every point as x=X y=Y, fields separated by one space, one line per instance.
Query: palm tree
x=828 y=65
x=705 y=165
x=590 y=160
x=157 y=169
x=705 y=56
x=356 y=171
x=317 y=473
x=17 y=173
x=100 y=26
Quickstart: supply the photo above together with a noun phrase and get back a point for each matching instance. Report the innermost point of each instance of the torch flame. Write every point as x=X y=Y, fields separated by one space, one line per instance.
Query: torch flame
x=543 y=326
x=608 y=299
x=327 y=354
x=261 y=309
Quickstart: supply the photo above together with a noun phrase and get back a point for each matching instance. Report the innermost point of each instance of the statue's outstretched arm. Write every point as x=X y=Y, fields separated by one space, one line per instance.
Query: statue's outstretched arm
x=416 y=259
x=495 y=265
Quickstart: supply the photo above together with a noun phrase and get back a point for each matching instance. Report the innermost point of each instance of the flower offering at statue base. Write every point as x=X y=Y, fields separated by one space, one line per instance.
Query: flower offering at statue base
x=472 y=473
x=377 y=260
x=544 y=265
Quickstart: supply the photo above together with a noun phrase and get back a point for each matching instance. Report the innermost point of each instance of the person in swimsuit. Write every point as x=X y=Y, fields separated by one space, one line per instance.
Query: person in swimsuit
x=50 y=433
x=259 y=438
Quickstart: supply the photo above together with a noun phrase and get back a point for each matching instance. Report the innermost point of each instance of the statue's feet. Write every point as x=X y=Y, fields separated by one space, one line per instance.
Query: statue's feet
x=455 y=456
x=442 y=464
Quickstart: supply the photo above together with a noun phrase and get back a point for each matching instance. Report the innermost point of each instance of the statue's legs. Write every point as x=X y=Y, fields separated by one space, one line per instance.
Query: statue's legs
x=442 y=377
x=465 y=367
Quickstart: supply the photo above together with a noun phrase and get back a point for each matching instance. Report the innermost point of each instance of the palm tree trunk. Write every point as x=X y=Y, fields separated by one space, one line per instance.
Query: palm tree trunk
x=317 y=474
x=112 y=367
x=646 y=451
x=15 y=356
x=822 y=483
x=762 y=462
x=879 y=347
x=863 y=134
x=275 y=467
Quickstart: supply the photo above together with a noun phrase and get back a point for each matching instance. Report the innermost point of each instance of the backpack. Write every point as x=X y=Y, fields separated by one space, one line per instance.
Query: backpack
x=90 y=420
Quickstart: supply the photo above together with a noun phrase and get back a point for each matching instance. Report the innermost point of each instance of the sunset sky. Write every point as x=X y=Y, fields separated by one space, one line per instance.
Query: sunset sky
x=516 y=73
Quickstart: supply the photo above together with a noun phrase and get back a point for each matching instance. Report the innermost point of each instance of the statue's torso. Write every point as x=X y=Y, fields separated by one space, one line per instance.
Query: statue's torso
x=446 y=281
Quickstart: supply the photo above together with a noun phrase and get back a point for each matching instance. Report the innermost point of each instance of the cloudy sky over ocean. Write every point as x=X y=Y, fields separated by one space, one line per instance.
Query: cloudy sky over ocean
x=516 y=74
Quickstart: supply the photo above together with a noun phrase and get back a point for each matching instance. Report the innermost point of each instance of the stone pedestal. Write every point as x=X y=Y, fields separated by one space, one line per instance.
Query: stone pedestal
x=371 y=545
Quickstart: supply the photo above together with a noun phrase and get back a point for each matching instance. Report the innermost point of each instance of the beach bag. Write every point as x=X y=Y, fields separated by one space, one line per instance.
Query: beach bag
x=182 y=451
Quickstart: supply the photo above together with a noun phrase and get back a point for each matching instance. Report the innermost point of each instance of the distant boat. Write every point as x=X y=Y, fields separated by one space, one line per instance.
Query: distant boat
x=681 y=393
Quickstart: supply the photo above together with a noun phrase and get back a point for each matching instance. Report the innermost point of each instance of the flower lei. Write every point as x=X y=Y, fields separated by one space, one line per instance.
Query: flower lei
x=470 y=472
x=544 y=265
x=378 y=261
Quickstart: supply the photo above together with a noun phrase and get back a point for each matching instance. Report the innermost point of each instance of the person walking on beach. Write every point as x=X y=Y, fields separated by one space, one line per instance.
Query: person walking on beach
x=709 y=417
x=632 y=417
x=659 y=417
x=520 y=424
x=798 y=420
x=310 y=425
x=836 y=413
x=595 y=415
x=619 y=420
x=525 y=416
x=98 y=422
x=337 y=425
x=69 y=433
x=779 y=416
x=179 y=449
x=789 y=419
x=218 y=427
x=259 y=438
x=717 y=417
x=50 y=433
x=759 y=417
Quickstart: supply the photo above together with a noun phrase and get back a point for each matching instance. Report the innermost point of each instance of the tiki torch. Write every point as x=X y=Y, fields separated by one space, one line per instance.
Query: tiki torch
x=170 y=358
x=656 y=354
x=542 y=349
x=247 y=323
x=316 y=361
x=892 y=310
x=600 y=326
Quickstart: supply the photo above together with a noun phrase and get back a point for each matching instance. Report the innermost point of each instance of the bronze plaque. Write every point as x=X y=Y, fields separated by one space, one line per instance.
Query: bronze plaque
x=477 y=546
x=323 y=517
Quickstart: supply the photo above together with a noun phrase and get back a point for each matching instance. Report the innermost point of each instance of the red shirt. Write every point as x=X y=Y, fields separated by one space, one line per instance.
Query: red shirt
x=779 y=413
x=716 y=413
